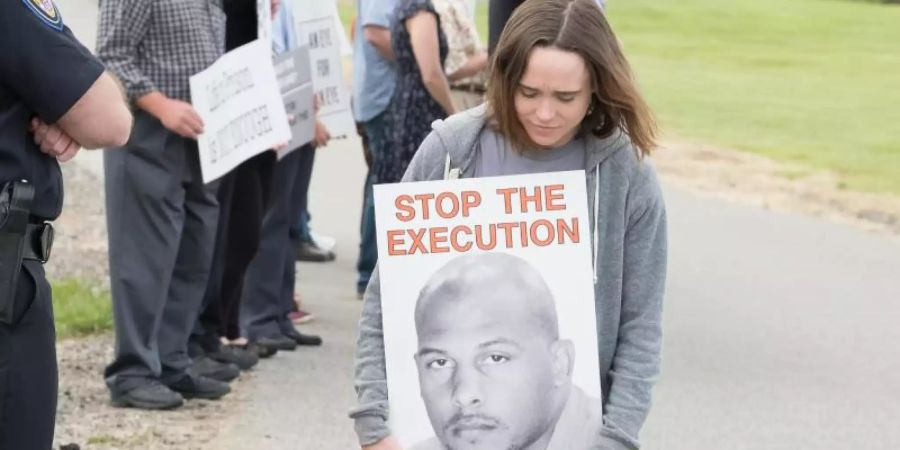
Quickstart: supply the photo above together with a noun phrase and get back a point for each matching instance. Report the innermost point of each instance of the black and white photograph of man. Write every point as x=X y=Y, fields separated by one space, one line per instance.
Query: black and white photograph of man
x=494 y=373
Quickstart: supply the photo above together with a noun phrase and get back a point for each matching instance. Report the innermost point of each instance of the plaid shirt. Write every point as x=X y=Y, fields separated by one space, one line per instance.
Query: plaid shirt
x=156 y=45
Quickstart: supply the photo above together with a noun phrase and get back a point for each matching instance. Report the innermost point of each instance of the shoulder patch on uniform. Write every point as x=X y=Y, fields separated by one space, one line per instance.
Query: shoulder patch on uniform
x=47 y=11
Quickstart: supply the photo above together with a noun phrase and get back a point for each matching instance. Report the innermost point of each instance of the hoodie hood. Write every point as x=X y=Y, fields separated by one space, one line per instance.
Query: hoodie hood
x=459 y=134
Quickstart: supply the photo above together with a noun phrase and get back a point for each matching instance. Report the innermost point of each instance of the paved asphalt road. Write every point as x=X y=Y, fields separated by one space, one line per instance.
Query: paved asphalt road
x=781 y=332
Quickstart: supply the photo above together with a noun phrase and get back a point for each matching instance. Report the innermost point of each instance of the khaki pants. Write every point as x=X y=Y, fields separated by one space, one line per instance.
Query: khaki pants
x=464 y=99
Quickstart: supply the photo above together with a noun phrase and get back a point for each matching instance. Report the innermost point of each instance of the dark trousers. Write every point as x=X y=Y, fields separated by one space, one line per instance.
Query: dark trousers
x=269 y=286
x=300 y=196
x=161 y=220
x=498 y=14
x=28 y=373
x=244 y=197
x=377 y=132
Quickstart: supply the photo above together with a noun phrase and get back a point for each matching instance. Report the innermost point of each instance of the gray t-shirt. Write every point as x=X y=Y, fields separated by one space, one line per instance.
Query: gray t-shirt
x=496 y=157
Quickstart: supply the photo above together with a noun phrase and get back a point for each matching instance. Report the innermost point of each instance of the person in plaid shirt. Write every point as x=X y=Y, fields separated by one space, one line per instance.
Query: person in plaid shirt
x=161 y=217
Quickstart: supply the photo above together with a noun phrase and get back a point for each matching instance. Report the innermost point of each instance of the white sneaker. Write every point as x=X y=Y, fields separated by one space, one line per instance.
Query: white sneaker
x=326 y=243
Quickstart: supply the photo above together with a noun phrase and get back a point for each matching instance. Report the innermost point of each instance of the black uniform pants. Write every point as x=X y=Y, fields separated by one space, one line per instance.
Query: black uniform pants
x=244 y=197
x=28 y=374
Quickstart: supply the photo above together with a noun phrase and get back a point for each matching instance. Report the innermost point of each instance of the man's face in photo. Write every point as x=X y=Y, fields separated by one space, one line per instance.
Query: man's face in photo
x=489 y=370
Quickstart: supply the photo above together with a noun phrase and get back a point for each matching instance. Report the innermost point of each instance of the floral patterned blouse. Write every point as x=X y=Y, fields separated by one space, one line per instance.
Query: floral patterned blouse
x=412 y=107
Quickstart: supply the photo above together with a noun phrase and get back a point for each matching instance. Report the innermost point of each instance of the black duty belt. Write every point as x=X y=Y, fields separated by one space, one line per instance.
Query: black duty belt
x=21 y=238
x=38 y=241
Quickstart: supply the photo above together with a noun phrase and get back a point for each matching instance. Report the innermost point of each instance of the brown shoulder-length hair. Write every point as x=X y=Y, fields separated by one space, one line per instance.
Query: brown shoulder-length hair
x=577 y=26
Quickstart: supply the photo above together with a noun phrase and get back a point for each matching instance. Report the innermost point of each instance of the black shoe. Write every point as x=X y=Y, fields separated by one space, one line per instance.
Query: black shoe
x=153 y=395
x=197 y=386
x=277 y=342
x=310 y=252
x=241 y=357
x=206 y=366
x=260 y=351
x=304 y=339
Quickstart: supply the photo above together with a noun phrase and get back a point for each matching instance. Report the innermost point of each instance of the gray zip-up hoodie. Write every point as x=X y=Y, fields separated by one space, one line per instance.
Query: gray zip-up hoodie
x=628 y=222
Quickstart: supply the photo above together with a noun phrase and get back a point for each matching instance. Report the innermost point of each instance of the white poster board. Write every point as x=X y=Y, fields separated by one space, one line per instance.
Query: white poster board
x=476 y=274
x=241 y=107
x=320 y=28
x=305 y=10
x=295 y=82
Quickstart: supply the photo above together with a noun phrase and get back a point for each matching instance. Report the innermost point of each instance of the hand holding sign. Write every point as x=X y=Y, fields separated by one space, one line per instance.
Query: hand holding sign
x=243 y=112
x=180 y=118
x=322 y=135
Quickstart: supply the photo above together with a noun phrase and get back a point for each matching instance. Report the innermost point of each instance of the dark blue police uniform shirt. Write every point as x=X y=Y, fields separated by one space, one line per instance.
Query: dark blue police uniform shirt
x=44 y=70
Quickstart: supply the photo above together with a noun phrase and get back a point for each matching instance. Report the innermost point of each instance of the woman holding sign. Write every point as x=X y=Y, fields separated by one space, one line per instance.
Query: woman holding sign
x=558 y=101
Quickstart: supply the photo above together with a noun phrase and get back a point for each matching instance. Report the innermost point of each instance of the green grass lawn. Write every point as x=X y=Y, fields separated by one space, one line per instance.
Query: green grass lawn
x=80 y=308
x=809 y=81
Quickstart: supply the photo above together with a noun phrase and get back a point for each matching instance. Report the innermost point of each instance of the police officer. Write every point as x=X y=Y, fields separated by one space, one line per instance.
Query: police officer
x=54 y=98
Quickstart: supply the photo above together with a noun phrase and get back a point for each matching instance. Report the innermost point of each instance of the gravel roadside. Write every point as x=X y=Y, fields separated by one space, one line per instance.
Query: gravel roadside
x=84 y=419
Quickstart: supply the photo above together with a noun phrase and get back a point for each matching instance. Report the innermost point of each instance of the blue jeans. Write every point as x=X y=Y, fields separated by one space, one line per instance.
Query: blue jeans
x=377 y=138
x=303 y=227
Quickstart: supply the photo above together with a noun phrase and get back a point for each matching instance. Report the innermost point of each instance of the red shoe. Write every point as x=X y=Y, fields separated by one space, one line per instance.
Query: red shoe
x=300 y=316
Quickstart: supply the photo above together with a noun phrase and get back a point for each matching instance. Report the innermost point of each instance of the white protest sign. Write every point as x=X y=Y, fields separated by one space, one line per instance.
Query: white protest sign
x=242 y=110
x=295 y=83
x=319 y=27
x=487 y=300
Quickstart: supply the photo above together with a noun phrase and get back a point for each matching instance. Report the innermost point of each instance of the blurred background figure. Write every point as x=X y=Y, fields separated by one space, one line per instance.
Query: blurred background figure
x=244 y=196
x=373 y=86
x=268 y=297
x=422 y=93
x=467 y=58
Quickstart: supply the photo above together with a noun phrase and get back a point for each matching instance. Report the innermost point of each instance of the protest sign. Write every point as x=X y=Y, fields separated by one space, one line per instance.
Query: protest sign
x=295 y=82
x=317 y=27
x=242 y=110
x=488 y=311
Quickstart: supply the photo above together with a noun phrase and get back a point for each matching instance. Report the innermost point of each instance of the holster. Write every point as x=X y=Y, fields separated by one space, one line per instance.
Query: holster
x=15 y=211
